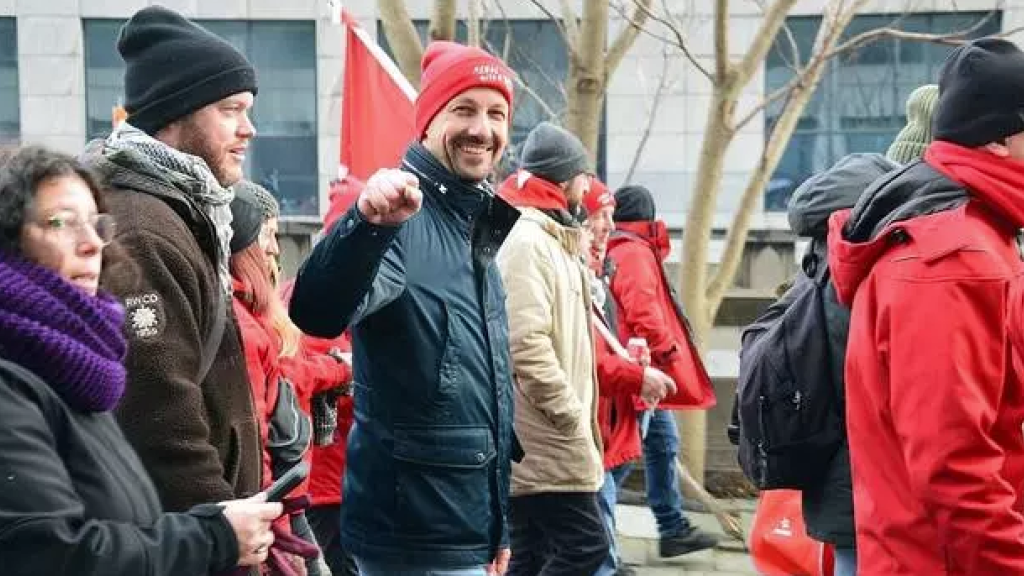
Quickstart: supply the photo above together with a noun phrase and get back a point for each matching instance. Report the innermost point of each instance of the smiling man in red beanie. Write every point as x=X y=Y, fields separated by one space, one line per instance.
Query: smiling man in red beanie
x=410 y=268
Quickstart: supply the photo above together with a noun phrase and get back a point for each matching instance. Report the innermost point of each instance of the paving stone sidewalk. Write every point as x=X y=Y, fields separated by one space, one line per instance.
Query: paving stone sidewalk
x=638 y=542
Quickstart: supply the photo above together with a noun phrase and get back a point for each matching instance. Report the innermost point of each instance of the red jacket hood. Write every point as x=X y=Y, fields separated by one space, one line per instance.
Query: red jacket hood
x=850 y=262
x=522 y=189
x=920 y=196
x=654 y=232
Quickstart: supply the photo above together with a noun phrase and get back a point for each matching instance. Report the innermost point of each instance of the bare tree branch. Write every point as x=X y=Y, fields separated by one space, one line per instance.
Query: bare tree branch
x=473 y=22
x=774 y=18
x=795 y=81
x=572 y=28
x=951 y=39
x=679 y=41
x=835 y=19
x=627 y=36
x=533 y=94
x=652 y=113
x=402 y=37
x=721 y=32
x=559 y=24
x=442 y=21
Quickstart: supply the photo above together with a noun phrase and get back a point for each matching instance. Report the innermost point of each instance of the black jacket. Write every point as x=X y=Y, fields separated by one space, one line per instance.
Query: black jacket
x=197 y=434
x=75 y=500
x=429 y=455
x=828 y=507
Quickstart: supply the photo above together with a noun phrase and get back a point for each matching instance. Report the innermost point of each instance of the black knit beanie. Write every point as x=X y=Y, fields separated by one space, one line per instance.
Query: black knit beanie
x=981 y=93
x=175 y=67
x=633 y=203
x=246 y=221
x=554 y=154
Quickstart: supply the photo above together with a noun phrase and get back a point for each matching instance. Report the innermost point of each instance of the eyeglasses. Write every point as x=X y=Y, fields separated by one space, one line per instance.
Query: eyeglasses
x=70 y=227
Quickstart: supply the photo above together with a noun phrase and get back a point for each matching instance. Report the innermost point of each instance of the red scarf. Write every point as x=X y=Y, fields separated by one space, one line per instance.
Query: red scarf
x=654 y=231
x=534 y=193
x=996 y=181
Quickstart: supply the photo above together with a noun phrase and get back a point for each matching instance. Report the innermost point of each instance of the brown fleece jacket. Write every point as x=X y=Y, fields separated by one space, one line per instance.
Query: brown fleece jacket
x=198 y=440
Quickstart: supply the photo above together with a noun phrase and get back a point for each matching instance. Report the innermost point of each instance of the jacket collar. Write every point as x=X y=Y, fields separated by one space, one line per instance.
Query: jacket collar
x=468 y=199
x=570 y=239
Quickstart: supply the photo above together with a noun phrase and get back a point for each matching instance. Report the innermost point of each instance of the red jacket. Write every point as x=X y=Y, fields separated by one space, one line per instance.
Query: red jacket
x=647 y=310
x=620 y=382
x=261 y=362
x=934 y=395
x=327 y=463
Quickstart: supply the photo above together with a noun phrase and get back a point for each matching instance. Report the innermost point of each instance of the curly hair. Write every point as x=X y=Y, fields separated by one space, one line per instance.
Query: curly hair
x=22 y=171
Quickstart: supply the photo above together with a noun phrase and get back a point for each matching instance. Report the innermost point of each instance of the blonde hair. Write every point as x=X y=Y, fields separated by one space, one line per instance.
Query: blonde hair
x=249 y=266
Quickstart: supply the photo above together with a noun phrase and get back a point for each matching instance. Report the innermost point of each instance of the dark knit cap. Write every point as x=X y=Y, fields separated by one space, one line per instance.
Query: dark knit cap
x=246 y=221
x=554 y=154
x=174 y=67
x=271 y=208
x=634 y=203
x=981 y=93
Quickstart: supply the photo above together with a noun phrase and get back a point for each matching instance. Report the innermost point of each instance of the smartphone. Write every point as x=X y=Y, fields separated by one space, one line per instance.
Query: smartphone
x=287 y=482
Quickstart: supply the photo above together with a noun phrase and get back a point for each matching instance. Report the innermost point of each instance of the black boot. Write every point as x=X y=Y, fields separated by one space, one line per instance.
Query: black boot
x=689 y=540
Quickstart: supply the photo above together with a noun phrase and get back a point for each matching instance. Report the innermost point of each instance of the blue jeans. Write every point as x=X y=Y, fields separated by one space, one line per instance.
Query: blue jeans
x=606 y=499
x=661 y=448
x=846 y=562
x=367 y=568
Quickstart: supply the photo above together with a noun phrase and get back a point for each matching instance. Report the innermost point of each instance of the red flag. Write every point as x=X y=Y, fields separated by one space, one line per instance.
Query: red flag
x=377 y=115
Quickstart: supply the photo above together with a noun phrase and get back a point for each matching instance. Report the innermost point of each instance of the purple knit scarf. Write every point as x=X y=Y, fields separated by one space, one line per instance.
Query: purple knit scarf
x=71 y=340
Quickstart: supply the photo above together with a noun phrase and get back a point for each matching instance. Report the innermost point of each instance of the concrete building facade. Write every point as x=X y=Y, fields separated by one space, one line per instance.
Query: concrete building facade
x=59 y=98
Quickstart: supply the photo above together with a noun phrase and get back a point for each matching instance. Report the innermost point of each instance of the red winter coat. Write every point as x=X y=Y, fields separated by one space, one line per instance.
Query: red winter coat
x=620 y=382
x=314 y=372
x=647 y=310
x=261 y=347
x=934 y=395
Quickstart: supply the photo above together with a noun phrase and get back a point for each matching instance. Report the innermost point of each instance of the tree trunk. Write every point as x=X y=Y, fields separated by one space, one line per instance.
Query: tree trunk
x=585 y=83
x=696 y=238
x=473 y=26
x=442 y=21
x=775 y=147
x=402 y=37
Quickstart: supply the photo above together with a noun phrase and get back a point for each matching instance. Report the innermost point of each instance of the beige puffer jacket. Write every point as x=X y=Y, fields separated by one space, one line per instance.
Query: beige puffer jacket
x=553 y=358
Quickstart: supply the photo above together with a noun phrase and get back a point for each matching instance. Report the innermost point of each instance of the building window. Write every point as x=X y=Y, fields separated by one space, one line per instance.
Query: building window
x=536 y=51
x=859 y=105
x=283 y=156
x=10 y=115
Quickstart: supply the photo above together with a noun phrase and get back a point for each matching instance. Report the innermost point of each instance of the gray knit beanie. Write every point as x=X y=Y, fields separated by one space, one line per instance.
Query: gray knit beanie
x=268 y=204
x=915 y=137
x=554 y=154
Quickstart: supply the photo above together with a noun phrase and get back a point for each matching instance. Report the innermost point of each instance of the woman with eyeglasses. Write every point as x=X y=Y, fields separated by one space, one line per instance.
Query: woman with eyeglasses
x=74 y=497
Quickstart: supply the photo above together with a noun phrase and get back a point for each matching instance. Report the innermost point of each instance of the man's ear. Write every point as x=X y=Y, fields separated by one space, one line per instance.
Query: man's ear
x=170 y=134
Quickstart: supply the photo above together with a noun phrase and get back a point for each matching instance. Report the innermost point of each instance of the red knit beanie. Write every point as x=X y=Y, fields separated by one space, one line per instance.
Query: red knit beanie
x=448 y=69
x=598 y=197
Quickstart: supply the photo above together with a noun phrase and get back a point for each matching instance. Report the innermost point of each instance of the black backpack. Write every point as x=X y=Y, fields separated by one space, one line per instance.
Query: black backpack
x=789 y=407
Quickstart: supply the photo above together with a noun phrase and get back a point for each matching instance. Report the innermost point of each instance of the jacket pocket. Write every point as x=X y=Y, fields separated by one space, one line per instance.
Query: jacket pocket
x=443 y=485
x=243 y=463
x=232 y=461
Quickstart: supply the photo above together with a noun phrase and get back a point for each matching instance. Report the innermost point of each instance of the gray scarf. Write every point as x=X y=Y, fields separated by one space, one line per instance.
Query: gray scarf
x=177 y=167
